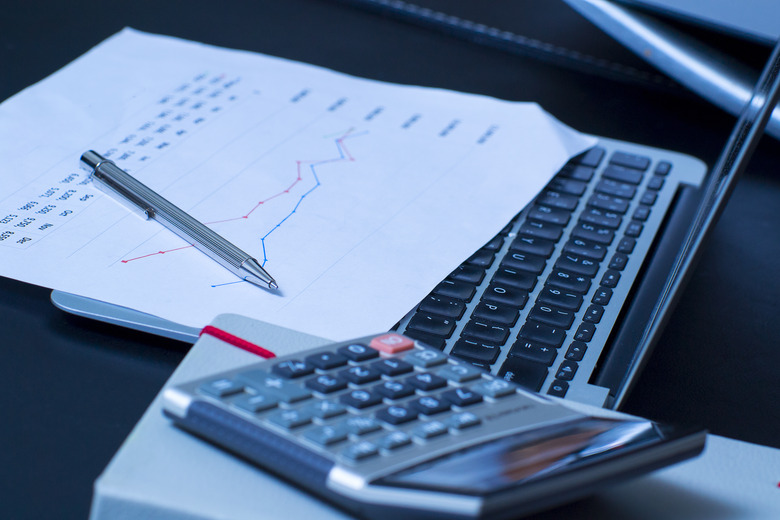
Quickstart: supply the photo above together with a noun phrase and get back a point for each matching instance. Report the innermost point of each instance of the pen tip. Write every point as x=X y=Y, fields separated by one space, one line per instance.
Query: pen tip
x=273 y=285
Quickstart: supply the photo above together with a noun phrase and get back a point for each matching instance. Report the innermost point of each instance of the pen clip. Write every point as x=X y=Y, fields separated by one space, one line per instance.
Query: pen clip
x=121 y=196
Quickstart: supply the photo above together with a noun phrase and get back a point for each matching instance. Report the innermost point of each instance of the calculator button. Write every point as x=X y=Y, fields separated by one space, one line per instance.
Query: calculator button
x=325 y=435
x=361 y=425
x=462 y=396
x=360 y=375
x=495 y=388
x=428 y=430
x=430 y=405
x=426 y=381
x=394 y=389
x=392 y=367
x=325 y=409
x=361 y=398
x=292 y=368
x=358 y=352
x=392 y=343
x=221 y=387
x=393 y=440
x=290 y=418
x=326 y=383
x=360 y=450
x=460 y=373
x=255 y=403
x=462 y=420
x=425 y=358
x=326 y=360
x=286 y=391
x=396 y=414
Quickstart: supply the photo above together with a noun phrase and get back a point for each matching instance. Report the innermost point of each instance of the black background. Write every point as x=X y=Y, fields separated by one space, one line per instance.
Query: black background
x=72 y=389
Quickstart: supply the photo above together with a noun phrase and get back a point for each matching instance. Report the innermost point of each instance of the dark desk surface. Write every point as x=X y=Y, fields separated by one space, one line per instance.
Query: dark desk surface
x=72 y=389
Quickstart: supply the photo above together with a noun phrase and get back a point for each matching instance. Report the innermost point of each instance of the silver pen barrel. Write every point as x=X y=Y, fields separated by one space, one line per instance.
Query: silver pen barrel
x=172 y=217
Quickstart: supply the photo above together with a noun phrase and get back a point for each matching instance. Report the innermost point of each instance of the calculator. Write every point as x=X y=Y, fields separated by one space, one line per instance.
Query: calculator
x=384 y=426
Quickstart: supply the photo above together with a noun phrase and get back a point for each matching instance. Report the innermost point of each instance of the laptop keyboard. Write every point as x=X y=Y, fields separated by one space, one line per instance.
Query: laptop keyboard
x=538 y=301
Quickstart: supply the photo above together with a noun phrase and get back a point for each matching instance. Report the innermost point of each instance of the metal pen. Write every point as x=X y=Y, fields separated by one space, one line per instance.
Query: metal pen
x=154 y=206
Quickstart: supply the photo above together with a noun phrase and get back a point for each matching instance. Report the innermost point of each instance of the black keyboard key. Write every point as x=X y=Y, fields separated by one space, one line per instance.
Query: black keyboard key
x=533 y=246
x=618 y=261
x=616 y=189
x=602 y=295
x=608 y=203
x=558 y=200
x=590 y=158
x=641 y=213
x=576 y=351
x=567 y=186
x=663 y=168
x=456 y=289
x=486 y=332
x=482 y=258
x=610 y=278
x=577 y=172
x=569 y=281
x=326 y=383
x=495 y=244
x=648 y=198
x=541 y=230
x=523 y=372
x=506 y=295
x=634 y=229
x=638 y=162
x=656 y=182
x=621 y=174
x=469 y=274
x=558 y=388
x=431 y=340
x=599 y=217
x=585 y=332
x=567 y=370
x=577 y=264
x=580 y=247
x=515 y=277
x=443 y=306
x=538 y=352
x=593 y=233
x=593 y=313
x=524 y=262
x=475 y=351
x=551 y=316
x=570 y=301
x=555 y=216
x=497 y=313
x=432 y=324
x=542 y=333
x=626 y=245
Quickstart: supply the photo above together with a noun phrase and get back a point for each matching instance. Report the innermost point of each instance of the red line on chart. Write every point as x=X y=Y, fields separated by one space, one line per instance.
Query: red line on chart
x=344 y=155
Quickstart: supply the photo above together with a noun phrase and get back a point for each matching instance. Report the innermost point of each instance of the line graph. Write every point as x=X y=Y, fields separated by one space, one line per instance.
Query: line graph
x=302 y=168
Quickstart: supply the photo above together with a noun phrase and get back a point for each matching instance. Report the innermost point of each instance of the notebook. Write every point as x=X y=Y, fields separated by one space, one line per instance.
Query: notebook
x=570 y=296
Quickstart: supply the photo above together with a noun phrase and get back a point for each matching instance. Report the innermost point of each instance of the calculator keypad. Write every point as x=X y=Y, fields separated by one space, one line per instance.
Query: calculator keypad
x=362 y=400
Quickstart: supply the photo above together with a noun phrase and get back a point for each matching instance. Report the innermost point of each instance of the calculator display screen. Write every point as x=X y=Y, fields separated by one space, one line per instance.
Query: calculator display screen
x=526 y=457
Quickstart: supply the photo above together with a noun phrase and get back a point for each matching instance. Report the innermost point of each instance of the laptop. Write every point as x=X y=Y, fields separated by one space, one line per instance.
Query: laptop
x=569 y=298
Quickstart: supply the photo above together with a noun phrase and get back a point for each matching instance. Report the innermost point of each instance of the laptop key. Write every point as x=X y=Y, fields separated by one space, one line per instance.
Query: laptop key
x=578 y=265
x=616 y=189
x=515 y=277
x=638 y=162
x=570 y=301
x=555 y=216
x=497 y=313
x=533 y=246
x=608 y=203
x=558 y=200
x=456 y=289
x=569 y=281
x=534 y=351
x=487 y=332
x=524 y=262
x=551 y=316
x=580 y=247
x=475 y=351
x=543 y=333
x=593 y=233
x=542 y=230
x=468 y=273
x=621 y=174
x=443 y=306
x=523 y=372
x=505 y=294
x=432 y=324
x=568 y=186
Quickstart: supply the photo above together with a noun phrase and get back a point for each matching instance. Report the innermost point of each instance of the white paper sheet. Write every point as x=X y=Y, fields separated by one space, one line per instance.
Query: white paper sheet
x=357 y=196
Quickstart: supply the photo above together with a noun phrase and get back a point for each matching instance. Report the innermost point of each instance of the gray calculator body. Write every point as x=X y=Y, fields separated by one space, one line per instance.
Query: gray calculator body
x=384 y=425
